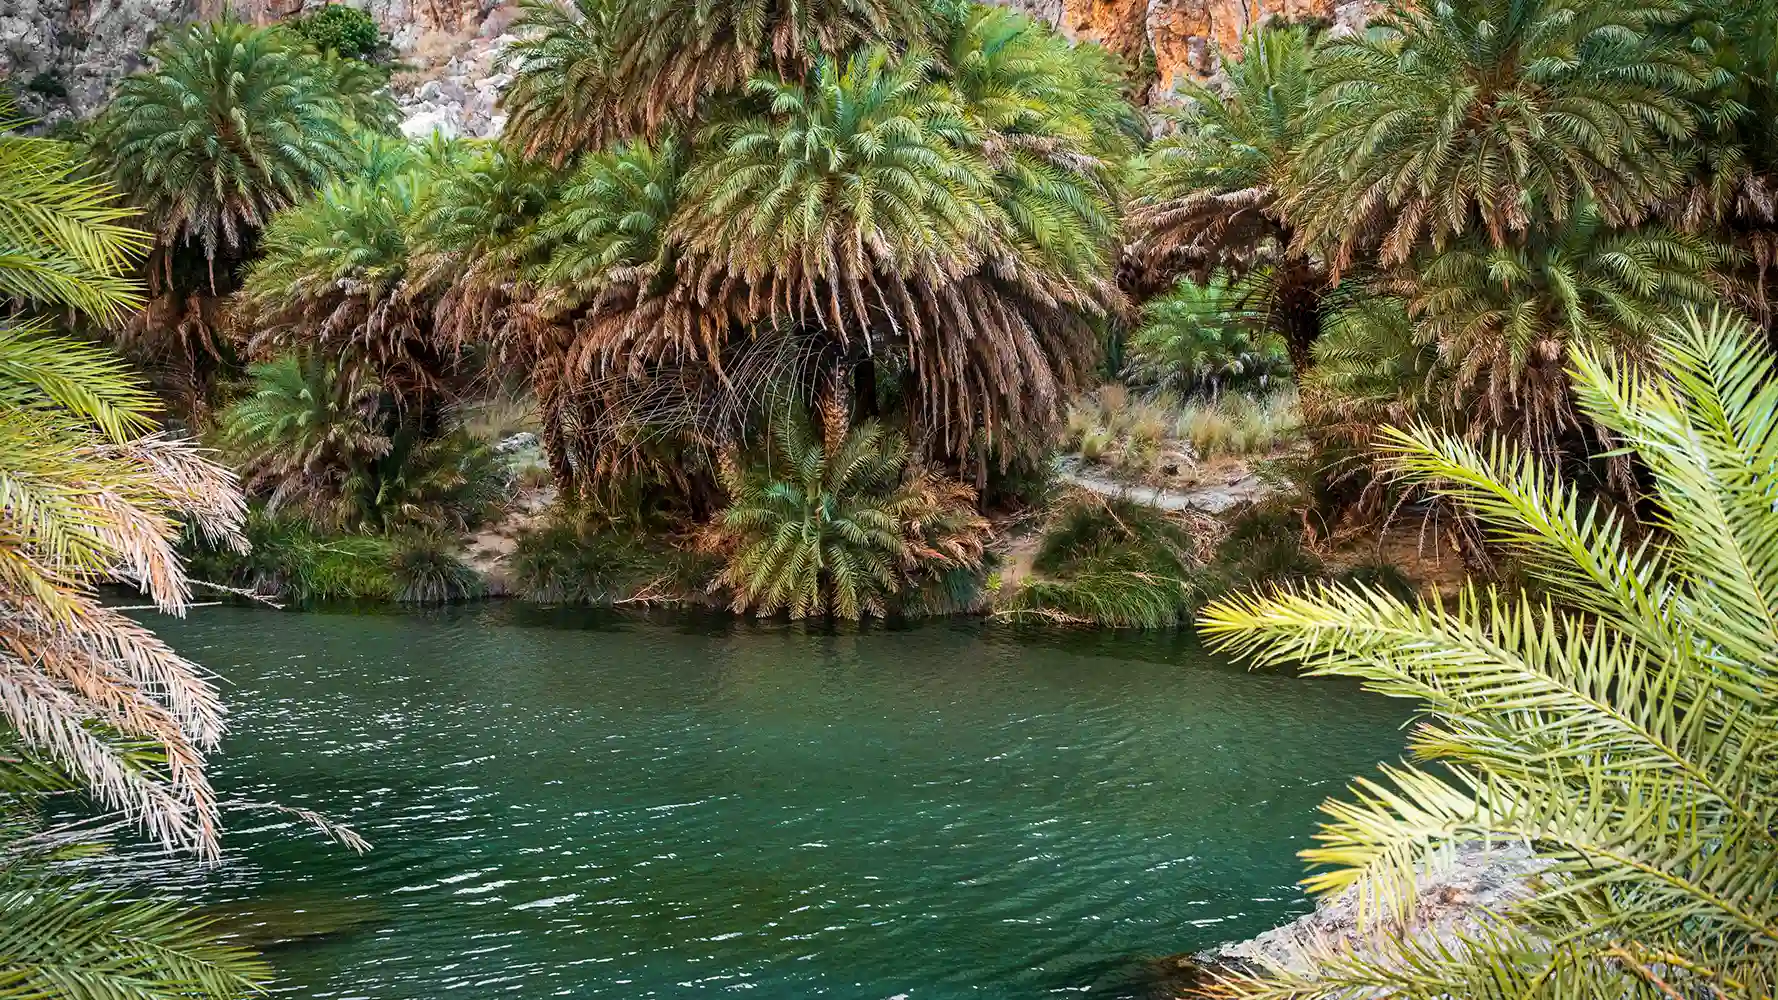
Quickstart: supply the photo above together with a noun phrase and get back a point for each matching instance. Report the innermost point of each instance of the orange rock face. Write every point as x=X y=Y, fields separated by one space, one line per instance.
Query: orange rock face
x=1185 y=36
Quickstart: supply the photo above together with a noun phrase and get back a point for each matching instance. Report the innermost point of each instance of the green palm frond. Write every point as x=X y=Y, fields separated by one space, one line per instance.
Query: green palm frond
x=64 y=239
x=1625 y=726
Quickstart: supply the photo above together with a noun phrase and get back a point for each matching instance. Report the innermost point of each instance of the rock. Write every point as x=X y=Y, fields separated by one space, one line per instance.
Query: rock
x=523 y=440
x=429 y=120
x=1478 y=881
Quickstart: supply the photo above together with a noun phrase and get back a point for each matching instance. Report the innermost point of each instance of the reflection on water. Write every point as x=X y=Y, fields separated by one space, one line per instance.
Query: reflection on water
x=606 y=806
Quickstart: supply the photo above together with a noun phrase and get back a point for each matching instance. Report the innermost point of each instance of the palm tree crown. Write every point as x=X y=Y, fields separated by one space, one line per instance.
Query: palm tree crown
x=229 y=125
x=1490 y=115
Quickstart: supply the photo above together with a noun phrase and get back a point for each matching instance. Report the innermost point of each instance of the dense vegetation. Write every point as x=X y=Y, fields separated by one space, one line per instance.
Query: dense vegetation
x=1621 y=725
x=796 y=295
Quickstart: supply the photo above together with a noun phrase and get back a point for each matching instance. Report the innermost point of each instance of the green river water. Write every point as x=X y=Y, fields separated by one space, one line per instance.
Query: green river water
x=606 y=806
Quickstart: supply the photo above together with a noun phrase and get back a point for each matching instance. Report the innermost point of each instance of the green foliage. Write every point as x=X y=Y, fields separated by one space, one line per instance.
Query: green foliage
x=1202 y=338
x=850 y=527
x=346 y=30
x=333 y=276
x=446 y=482
x=291 y=559
x=1621 y=727
x=230 y=124
x=63 y=238
x=1493 y=116
x=328 y=443
x=1111 y=563
x=587 y=559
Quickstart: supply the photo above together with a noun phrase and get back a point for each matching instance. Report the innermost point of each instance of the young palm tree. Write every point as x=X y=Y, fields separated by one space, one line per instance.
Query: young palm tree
x=303 y=431
x=848 y=527
x=1202 y=339
x=1503 y=318
x=1621 y=725
x=611 y=69
x=91 y=496
x=1491 y=117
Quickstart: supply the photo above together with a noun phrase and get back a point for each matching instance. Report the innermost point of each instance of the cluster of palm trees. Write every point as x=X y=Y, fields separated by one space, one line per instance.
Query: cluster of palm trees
x=1487 y=183
x=700 y=219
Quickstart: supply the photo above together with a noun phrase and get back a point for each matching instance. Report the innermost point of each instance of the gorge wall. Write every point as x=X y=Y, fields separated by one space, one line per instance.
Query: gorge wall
x=62 y=56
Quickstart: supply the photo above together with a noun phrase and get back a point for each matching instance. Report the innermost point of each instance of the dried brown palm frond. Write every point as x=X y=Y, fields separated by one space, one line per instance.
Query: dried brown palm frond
x=1197 y=234
x=76 y=676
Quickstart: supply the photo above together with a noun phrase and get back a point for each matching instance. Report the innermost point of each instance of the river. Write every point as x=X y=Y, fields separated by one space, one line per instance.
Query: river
x=599 y=805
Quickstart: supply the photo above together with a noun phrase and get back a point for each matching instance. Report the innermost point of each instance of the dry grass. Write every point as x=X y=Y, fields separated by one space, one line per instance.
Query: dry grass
x=1238 y=425
x=1138 y=436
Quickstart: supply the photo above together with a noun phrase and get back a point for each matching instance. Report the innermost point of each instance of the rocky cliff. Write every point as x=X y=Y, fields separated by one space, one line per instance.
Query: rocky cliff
x=63 y=55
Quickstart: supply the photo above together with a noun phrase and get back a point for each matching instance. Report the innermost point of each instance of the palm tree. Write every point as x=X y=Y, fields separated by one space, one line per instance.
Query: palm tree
x=1491 y=117
x=1620 y=725
x=1503 y=317
x=62 y=937
x=1732 y=185
x=92 y=496
x=1202 y=338
x=304 y=431
x=1209 y=195
x=886 y=221
x=335 y=275
x=229 y=125
x=849 y=527
x=611 y=69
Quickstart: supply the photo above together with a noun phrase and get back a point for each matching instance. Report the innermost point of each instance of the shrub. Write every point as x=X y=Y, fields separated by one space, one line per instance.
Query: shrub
x=575 y=559
x=1113 y=563
x=846 y=527
x=428 y=570
x=291 y=559
x=1202 y=339
x=337 y=28
x=1238 y=425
